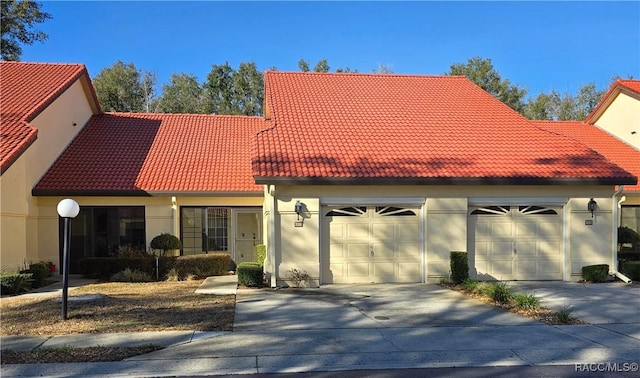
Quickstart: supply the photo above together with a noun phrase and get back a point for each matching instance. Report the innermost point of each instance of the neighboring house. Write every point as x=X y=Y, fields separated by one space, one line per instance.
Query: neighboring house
x=42 y=108
x=613 y=130
x=350 y=177
x=619 y=112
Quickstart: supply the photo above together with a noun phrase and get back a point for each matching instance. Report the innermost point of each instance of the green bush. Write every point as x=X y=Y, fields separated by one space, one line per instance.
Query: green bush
x=261 y=251
x=131 y=275
x=202 y=266
x=459 y=266
x=631 y=269
x=104 y=267
x=527 y=301
x=165 y=242
x=39 y=273
x=501 y=292
x=627 y=235
x=470 y=285
x=250 y=274
x=15 y=283
x=595 y=273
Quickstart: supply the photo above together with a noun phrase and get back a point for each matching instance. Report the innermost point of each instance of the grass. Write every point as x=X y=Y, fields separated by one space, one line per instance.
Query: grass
x=121 y=307
x=501 y=295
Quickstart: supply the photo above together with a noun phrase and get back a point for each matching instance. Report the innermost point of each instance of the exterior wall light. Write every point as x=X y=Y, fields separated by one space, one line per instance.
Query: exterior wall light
x=298 y=208
x=67 y=209
x=592 y=206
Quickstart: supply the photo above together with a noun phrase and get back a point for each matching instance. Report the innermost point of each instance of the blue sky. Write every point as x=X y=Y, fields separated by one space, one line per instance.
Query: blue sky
x=538 y=45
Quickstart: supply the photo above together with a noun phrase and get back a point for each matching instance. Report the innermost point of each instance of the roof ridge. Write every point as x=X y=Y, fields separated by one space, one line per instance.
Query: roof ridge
x=143 y=114
x=364 y=74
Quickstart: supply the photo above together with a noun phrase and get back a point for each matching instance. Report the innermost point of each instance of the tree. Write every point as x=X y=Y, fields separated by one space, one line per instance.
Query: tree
x=231 y=91
x=564 y=107
x=321 y=66
x=481 y=72
x=123 y=88
x=303 y=65
x=383 y=69
x=183 y=95
x=17 y=18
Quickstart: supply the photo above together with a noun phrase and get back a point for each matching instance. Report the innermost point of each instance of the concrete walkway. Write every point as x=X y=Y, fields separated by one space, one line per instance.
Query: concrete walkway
x=360 y=327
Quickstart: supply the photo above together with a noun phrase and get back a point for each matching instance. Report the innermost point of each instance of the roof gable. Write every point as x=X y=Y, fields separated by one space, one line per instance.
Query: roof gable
x=369 y=128
x=628 y=86
x=27 y=89
x=142 y=154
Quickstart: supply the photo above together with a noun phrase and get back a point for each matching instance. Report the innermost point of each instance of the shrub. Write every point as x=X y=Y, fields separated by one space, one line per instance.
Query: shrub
x=131 y=275
x=165 y=242
x=39 y=273
x=261 y=251
x=527 y=301
x=470 y=285
x=202 y=266
x=501 y=292
x=105 y=267
x=128 y=250
x=595 y=273
x=564 y=315
x=631 y=269
x=628 y=235
x=298 y=276
x=15 y=283
x=250 y=274
x=459 y=266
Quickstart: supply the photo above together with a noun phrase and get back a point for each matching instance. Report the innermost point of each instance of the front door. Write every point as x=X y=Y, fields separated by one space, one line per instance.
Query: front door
x=248 y=235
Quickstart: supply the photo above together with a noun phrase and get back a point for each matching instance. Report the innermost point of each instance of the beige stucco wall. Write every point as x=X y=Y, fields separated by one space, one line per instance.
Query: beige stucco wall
x=18 y=210
x=622 y=117
x=445 y=225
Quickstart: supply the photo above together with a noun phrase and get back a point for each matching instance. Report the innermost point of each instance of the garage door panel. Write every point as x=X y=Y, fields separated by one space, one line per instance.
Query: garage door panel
x=372 y=244
x=357 y=231
x=529 y=248
x=534 y=250
x=501 y=229
x=357 y=251
x=501 y=248
x=358 y=269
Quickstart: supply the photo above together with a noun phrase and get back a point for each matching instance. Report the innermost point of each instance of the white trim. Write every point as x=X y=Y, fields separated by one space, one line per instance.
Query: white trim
x=358 y=201
x=423 y=244
x=566 y=268
x=549 y=201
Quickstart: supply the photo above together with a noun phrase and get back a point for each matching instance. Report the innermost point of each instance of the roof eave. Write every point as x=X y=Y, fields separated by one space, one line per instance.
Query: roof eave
x=88 y=193
x=596 y=181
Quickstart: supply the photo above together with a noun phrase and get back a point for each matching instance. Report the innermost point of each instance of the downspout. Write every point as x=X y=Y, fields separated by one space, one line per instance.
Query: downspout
x=271 y=246
x=174 y=217
x=616 y=221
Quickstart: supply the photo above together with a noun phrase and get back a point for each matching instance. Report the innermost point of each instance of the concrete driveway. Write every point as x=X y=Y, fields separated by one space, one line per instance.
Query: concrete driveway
x=347 y=327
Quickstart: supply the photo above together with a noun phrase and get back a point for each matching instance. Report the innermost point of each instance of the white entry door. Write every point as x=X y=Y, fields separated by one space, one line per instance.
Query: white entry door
x=364 y=244
x=248 y=234
x=516 y=242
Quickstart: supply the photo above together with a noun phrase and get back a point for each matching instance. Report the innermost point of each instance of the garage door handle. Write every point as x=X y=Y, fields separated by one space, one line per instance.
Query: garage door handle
x=515 y=251
x=371 y=253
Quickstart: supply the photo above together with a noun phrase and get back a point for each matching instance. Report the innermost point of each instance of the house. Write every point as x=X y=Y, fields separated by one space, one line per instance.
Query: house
x=392 y=172
x=613 y=130
x=42 y=108
x=350 y=177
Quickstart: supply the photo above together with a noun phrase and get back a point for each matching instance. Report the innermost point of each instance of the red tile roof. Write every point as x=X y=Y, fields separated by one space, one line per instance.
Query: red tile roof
x=369 y=128
x=140 y=154
x=612 y=93
x=601 y=141
x=26 y=90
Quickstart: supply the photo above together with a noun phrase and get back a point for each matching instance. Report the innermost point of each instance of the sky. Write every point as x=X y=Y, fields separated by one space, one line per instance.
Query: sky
x=541 y=45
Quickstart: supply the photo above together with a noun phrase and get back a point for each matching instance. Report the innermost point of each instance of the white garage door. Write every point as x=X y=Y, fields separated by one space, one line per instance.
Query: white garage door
x=364 y=244
x=516 y=242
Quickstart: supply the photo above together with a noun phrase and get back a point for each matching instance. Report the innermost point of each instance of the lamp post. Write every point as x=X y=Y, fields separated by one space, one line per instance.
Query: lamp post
x=67 y=209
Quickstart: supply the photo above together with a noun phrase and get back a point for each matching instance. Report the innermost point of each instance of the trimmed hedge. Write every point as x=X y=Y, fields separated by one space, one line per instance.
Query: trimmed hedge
x=630 y=269
x=595 y=273
x=15 y=283
x=200 y=266
x=459 y=266
x=250 y=274
x=261 y=251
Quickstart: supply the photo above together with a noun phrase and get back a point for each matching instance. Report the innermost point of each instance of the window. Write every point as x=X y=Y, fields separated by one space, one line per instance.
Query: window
x=492 y=210
x=205 y=229
x=348 y=212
